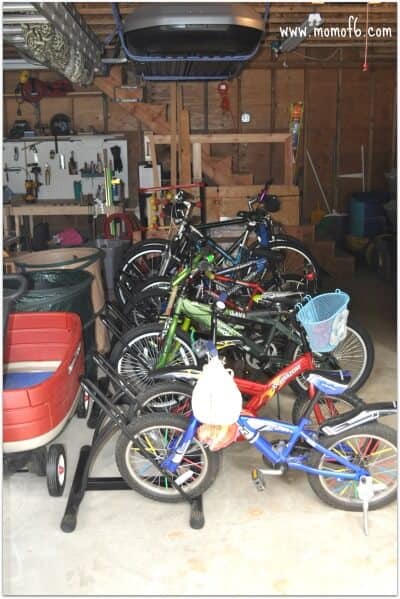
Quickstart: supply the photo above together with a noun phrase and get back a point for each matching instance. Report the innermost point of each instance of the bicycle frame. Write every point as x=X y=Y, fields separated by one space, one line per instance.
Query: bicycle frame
x=239 y=244
x=201 y=314
x=250 y=427
x=261 y=393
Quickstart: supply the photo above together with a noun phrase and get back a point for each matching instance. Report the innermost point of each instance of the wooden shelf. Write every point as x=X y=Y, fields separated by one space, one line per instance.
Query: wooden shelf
x=75 y=136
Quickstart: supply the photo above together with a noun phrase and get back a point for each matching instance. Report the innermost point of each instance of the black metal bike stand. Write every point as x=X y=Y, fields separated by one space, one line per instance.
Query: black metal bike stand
x=82 y=482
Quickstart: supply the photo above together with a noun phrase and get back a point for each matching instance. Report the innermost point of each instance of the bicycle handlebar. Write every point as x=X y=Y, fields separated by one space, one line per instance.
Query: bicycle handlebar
x=195 y=267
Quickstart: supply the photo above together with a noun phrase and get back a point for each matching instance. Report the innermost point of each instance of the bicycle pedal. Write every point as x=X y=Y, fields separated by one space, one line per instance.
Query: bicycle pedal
x=272 y=471
x=258 y=479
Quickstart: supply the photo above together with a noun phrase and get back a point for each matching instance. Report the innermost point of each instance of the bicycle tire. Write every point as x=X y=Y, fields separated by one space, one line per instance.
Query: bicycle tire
x=140 y=265
x=296 y=257
x=139 y=247
x=154 y=282
x=346 y=497
x=156 y=431
x=289 y=282
x=134 y=361
x=356 y=335
x=167 y=397
x=147 y=306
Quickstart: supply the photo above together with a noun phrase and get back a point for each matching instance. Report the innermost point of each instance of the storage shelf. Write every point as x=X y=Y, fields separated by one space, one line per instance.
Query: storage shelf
x=74 y=137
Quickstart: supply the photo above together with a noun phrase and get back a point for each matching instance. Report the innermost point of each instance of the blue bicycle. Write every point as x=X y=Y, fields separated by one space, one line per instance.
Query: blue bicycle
x=350 y=460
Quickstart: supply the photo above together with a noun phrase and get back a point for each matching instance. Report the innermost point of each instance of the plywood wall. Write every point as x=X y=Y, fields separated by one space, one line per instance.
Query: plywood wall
x=344 y=108
x=320 y=118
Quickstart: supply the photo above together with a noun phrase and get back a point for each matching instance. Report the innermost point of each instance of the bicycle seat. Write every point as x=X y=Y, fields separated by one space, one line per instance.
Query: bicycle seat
x=334 y=382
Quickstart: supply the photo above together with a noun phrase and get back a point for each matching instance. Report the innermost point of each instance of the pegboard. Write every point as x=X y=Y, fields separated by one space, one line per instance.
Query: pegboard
x=61 y=185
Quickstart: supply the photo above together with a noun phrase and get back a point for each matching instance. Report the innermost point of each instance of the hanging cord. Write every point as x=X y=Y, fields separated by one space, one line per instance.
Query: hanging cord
x=365 y=65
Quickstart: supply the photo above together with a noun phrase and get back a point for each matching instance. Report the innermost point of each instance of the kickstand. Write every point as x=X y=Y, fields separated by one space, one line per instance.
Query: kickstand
x=278 y=406
x=365 y=493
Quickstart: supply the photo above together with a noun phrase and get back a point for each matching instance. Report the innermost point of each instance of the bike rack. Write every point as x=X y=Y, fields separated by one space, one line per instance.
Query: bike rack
x=114 y=320
x=103 y=433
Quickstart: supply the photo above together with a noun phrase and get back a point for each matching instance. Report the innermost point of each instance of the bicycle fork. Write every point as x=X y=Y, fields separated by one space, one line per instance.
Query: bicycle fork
x=169 y=345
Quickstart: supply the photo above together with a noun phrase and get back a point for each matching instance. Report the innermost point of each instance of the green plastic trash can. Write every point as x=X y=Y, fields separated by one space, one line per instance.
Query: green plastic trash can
x=61 y=291
x=76 y=258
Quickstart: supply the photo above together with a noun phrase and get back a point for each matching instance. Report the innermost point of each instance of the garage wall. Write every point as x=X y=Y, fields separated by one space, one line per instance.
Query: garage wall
x=344 y=108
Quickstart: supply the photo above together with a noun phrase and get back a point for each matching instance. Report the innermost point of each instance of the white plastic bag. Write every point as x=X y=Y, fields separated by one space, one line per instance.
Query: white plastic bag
x=216 y=398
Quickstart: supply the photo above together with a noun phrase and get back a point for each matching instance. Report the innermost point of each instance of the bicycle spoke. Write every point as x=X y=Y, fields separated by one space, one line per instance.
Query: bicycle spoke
x=376 y=455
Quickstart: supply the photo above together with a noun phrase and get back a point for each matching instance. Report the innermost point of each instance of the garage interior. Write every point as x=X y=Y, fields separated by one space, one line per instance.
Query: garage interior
x=104 y=120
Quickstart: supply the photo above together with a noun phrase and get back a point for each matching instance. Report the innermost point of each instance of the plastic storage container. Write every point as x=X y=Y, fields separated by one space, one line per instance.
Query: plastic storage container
x=367 y=214
x=113 y=256
x=76 y=258
x=324 y=319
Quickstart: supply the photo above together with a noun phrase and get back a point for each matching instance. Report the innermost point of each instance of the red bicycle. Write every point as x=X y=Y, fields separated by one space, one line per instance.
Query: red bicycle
x=173 y=388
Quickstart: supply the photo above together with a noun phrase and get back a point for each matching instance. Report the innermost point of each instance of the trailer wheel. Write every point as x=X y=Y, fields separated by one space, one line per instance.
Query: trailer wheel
x=83 y=405
x=56 y=470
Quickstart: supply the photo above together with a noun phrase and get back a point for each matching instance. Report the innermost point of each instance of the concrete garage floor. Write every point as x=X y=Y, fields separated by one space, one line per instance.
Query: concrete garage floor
x=283 y=541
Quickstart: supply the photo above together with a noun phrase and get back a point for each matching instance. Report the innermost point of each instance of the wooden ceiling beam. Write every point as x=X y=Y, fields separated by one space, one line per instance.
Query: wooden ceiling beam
x=282 y=9
x=97 y=21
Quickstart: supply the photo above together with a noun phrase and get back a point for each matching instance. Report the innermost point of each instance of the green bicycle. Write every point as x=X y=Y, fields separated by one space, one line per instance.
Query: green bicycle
x=260 y=341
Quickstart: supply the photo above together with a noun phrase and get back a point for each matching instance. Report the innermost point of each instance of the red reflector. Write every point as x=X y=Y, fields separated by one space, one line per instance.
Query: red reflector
x=310 y=276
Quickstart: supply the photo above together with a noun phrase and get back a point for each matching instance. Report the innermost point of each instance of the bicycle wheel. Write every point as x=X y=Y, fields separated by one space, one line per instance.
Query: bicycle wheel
x=154 y=283
x=289 y=283
x=296 y=259
x=157 y=433
x=170 y=397
x=372 y=446
x=141 y=264
x=138 y=351
x=329 y=405
x=147 y=306
x=355 y=353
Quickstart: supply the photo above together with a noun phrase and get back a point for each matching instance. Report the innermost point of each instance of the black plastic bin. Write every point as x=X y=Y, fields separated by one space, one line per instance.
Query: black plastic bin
x=61 y=291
